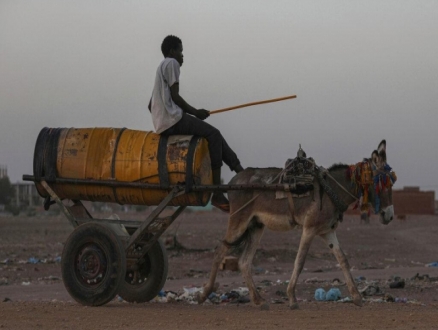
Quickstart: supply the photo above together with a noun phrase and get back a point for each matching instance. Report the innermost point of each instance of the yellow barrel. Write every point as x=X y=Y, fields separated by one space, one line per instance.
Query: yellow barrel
x=122 y=155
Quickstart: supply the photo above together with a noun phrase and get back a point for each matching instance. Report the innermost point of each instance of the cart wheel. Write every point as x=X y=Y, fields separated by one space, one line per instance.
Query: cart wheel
x=93 y=264
x=145 y=283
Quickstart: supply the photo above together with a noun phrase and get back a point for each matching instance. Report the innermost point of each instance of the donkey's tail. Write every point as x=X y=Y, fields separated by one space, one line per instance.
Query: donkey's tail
x=245 y=238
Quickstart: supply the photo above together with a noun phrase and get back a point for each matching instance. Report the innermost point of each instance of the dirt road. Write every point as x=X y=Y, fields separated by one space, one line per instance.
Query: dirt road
x=32 y=294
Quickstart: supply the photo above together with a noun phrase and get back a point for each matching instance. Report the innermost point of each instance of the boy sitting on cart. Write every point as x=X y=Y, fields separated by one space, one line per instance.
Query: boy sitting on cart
x=172 y=115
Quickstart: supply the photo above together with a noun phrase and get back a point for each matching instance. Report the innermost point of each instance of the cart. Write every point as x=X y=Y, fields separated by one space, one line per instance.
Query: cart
x=106 y=257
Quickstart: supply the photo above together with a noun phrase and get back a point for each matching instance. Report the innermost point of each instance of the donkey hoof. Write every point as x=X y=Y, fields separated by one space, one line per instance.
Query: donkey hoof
x=200 y=298
x=358 y=301
x=294 y=306
x=264 y=307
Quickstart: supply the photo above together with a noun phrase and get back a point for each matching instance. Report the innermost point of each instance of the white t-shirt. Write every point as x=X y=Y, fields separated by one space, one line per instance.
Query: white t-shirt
x=165 y=113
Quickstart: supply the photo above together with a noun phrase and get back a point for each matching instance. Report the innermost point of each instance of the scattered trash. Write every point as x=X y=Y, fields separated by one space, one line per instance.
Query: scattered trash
x=239 y=295
x=320 y=294
x=345 y=300
x=25 y=283
x=360 y=279
x=333 y=294
x=388 y=298
x=223 y=297
x=390 y=260
x=370 y=290
x=313 y=280
x=337 y=282
x=376 y=300
x=6 y=261
x=6 y=299
x=416 y=263
x=49 y=278
x=160 y=299
x=191 y=290
x=242 y=291
x=214 y=298
x=419 y=277
x=189 y=295
x=432 y=264
x=33 y=260
x=397 y=284
x=171 y=296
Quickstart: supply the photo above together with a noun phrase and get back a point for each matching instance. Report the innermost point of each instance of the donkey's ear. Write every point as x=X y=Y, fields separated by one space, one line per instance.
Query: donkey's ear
x=382 y=151
x=375 y=157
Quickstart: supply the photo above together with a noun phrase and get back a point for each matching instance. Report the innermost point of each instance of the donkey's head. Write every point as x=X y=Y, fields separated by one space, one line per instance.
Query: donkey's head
x=374 y=179
x=383 y=179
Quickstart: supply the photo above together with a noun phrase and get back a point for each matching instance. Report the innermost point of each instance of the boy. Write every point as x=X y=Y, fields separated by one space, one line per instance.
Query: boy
x=172 y=115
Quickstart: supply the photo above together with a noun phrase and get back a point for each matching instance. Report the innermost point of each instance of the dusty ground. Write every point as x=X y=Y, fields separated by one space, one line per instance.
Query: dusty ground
x=32 y=294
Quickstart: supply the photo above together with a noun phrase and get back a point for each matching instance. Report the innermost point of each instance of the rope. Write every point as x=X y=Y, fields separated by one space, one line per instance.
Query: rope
x=245 y=205
x=340 y=205
x=340 y=186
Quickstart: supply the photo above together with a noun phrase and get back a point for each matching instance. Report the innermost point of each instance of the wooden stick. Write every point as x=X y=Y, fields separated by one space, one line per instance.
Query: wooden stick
x=253 y=103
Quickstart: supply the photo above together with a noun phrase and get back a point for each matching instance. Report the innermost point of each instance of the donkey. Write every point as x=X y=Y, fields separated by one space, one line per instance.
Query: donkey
x=317 y=215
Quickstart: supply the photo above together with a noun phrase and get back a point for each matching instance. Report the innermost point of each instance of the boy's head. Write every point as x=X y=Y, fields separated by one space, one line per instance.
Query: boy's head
x=172 y=47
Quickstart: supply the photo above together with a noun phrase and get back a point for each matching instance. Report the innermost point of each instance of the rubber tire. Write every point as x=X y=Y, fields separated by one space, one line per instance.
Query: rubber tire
x=156 y=279
x=111 y=247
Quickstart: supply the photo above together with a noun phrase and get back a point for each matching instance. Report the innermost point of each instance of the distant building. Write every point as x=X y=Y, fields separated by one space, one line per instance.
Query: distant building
x=3 y=171
x=26 y=195
x=410 y=200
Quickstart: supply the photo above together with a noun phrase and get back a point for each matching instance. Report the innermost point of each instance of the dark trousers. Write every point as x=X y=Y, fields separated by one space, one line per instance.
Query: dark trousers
x=217 y=146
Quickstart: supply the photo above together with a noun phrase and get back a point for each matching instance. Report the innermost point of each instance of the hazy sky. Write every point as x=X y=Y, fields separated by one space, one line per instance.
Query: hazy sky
x=363 y=71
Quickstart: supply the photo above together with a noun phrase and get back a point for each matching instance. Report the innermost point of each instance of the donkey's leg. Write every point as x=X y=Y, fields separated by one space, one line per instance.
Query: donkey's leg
x=245 y=264
x=234 y=231
x=306 y=239
x=332 y=241
x=209 y=286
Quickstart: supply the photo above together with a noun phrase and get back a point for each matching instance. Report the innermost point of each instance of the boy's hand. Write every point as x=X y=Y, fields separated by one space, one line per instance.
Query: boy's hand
x=202 y=114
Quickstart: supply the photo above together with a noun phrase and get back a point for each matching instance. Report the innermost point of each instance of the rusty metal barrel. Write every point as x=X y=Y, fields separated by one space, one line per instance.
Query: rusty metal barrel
x=126 y=155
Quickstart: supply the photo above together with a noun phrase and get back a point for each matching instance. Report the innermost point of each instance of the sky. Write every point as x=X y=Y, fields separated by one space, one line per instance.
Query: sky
x=362 y=71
